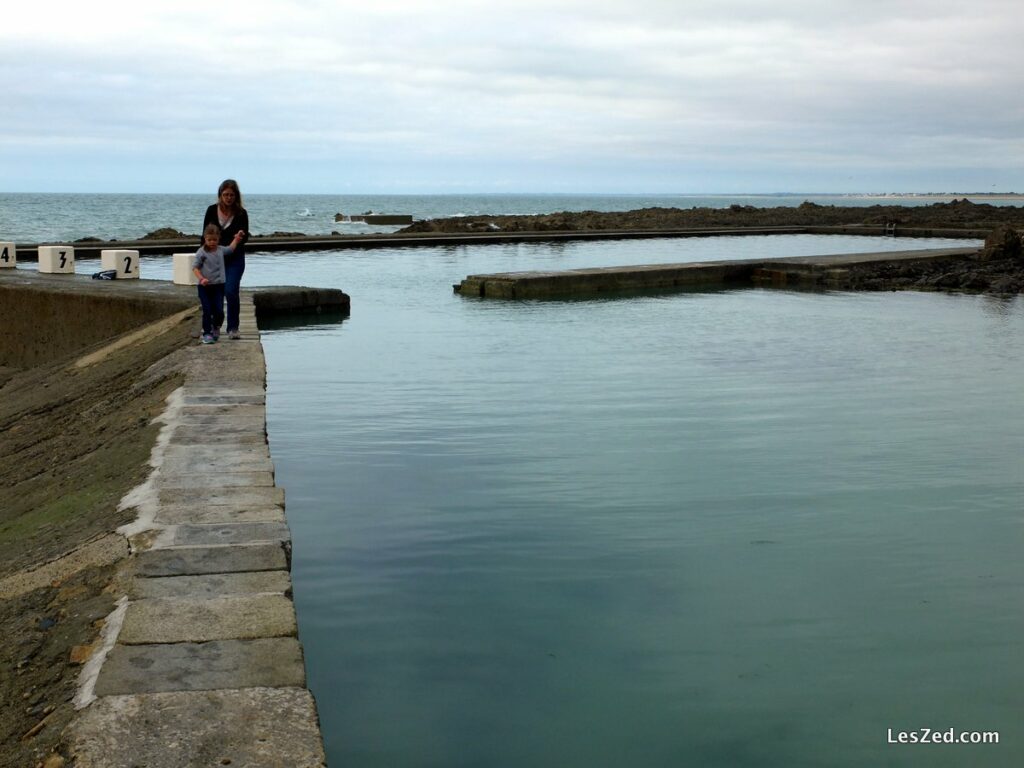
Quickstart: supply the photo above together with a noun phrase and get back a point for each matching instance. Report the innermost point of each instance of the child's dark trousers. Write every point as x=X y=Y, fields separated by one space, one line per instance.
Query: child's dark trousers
x=211 y=297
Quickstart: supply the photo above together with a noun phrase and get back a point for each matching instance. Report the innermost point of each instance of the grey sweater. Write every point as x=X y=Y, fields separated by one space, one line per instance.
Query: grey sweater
x=211 y=263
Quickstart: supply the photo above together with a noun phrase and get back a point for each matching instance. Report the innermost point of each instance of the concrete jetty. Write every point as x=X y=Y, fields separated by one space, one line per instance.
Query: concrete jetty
x=295 y=243
x=809 y=270
x=200 y=663
x=206 y=667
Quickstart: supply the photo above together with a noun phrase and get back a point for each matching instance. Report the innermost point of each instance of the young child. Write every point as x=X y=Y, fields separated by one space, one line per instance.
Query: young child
x=208 y=267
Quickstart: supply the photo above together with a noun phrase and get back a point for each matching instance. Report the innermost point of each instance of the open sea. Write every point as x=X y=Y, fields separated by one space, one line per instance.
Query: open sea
x=746 y=527
x=41 y=218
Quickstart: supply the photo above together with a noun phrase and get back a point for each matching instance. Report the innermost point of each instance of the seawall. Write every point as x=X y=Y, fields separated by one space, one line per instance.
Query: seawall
x=295 y=243
x=200 y=663
x=821 y=271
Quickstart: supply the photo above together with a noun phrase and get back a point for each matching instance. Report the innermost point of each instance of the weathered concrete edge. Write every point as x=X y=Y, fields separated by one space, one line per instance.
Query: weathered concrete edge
x=641 y=277
x=270 y=244
x=211 y=641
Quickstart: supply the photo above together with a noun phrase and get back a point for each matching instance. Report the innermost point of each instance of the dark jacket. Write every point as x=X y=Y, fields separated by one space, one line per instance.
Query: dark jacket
x=240 y=222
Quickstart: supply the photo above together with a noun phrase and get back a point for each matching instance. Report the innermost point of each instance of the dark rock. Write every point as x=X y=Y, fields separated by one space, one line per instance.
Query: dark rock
x=167 y=233
x=1002 y=243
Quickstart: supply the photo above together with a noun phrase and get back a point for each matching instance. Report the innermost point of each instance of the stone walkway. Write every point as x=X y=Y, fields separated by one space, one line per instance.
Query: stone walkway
x=206 y=668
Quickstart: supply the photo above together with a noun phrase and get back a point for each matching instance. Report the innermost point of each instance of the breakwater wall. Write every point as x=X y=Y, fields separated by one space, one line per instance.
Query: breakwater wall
x=272 y=243
x=48 y=317
x=822 y=270
x=200 y=663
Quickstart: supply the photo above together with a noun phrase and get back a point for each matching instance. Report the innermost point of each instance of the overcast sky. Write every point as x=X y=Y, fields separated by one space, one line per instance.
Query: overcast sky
x=725 y=96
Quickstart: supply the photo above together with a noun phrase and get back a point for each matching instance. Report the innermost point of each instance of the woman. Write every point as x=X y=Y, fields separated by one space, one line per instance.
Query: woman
x=228 y=214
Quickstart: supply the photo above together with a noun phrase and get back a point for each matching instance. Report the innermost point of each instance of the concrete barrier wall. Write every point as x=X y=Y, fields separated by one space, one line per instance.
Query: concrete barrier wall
x=41 y=324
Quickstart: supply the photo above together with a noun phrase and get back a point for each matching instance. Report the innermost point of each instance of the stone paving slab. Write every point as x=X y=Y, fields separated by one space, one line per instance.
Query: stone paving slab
x=274 y=662
x=224 y=422
x=194 y=435
x=188 y=620
x=222 y=496
x=212 y=585
x=227 y=462
x=199 y=560
x=180 y=452
x=205 y=475
x=230 y=411
x=202 y=389
x=213 y=514
x=189 y=398
x=250 y=727
x=210 y=534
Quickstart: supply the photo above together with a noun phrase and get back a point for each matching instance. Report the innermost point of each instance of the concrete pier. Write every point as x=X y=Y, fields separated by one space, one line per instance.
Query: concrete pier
x=294 y=243
x=200 y=663
x=810 y=270
x=206 y=668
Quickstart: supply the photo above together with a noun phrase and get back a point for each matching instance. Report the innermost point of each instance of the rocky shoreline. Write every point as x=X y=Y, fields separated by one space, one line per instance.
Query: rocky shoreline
x=957 y=214
x=997 y=269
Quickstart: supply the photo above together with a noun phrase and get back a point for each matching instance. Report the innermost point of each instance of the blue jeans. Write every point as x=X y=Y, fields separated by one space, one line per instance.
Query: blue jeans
x=211 y=297
x=232 y=285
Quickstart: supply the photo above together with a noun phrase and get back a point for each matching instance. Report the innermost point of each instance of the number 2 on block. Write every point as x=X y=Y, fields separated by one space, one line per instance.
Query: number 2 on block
x=127 y=265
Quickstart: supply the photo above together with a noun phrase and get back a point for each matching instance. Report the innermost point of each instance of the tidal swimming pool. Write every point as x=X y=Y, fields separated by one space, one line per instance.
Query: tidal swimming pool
x=748 y=527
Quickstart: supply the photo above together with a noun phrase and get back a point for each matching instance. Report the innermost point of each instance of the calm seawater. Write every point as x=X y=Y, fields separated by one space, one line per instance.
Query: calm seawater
x=41 y=218
x=718 y=528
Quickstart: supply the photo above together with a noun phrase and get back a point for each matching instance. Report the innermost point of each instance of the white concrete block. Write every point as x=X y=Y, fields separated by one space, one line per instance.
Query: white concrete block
x=57 y=259
x=183 y=274
x=125 y=263
x=8 y=255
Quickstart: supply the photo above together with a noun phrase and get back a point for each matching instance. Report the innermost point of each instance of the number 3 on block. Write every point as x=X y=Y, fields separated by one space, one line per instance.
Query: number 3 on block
x=57 y=259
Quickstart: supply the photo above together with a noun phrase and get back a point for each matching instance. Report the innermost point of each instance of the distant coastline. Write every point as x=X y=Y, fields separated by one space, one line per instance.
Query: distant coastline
x=941 y=196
